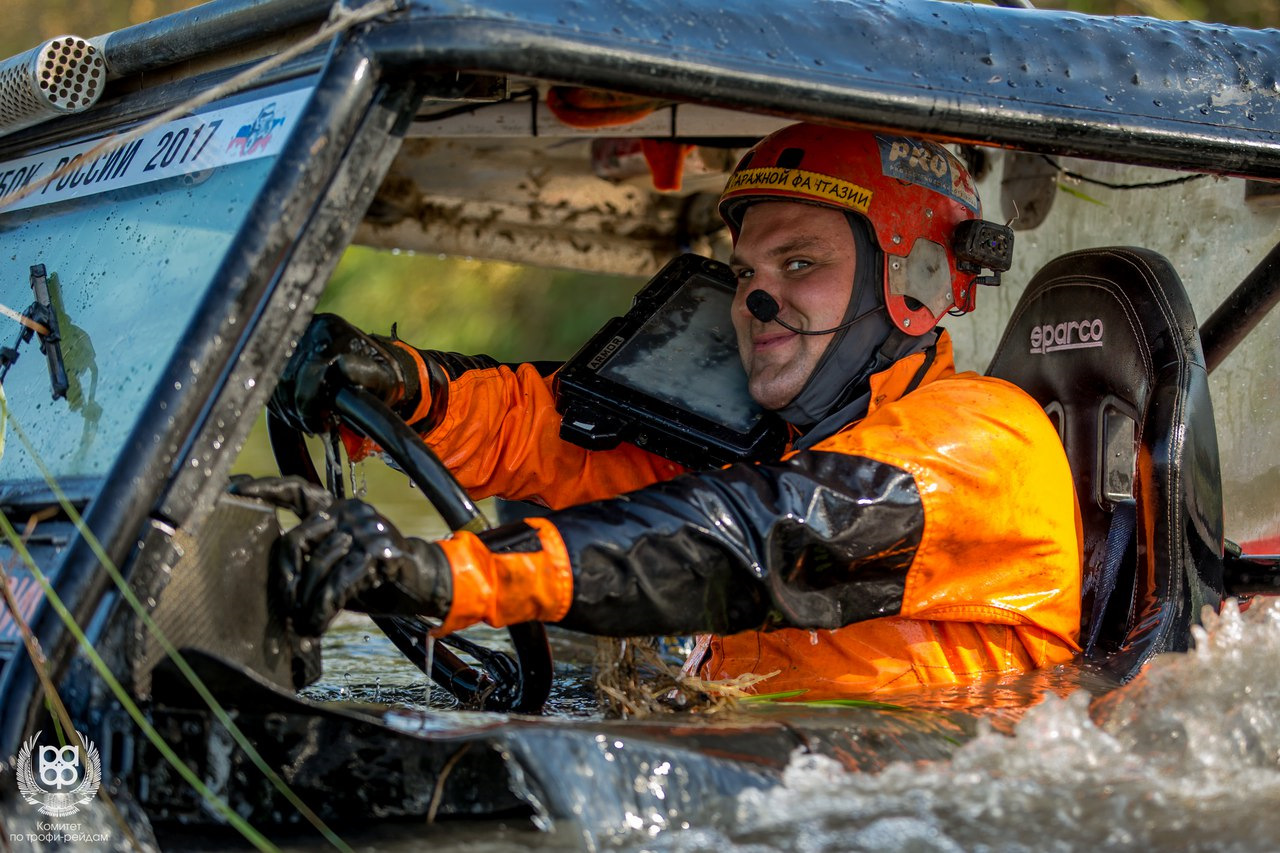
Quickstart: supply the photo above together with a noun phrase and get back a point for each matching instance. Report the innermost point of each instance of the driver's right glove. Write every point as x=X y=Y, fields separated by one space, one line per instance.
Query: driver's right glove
x=333 y=354
x=345 y=555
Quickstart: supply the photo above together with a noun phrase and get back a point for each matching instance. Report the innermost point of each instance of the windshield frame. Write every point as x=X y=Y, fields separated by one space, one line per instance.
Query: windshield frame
x=129 y=258
x=232 y=348
x=119 y=115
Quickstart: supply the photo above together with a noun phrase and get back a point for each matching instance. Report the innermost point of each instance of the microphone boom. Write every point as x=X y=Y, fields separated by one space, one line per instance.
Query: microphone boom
x=765 y=309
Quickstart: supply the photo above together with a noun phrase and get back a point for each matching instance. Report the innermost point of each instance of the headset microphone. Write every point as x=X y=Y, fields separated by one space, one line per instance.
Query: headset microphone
x=765 y=309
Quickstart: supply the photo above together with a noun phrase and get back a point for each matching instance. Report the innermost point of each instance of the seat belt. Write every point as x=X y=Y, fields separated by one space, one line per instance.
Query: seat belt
x=1123 y=520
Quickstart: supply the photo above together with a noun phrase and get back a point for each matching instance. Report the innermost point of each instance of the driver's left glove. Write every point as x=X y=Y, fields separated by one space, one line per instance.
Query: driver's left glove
x=346 y=555
x=333 y=354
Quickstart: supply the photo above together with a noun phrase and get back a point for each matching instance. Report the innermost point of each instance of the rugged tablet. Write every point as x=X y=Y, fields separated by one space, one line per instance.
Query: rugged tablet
x=667 y=377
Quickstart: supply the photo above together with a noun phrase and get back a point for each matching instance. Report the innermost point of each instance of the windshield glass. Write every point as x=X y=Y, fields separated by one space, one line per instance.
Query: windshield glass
x=130 y=242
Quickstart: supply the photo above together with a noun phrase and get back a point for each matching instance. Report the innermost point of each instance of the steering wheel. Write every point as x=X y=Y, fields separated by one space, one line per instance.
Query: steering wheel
x=501 y=683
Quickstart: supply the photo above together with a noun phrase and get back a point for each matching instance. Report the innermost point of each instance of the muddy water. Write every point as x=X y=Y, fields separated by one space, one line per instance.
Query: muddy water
x=1185 y=757
x=361 y=664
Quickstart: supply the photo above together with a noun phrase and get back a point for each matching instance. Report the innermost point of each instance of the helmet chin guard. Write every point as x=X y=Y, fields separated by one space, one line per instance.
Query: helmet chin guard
x=916 y=195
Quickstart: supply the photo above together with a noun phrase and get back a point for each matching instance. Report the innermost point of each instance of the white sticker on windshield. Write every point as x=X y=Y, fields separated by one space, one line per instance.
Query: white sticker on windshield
x=246 y=131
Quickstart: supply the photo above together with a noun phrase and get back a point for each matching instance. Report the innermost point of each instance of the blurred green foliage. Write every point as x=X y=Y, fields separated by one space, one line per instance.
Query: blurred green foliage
x=510 y=312
x=1244 y=13
x=28 y=22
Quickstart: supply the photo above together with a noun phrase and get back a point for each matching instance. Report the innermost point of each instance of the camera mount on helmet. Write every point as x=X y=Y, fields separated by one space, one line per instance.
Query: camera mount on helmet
x=979 y=244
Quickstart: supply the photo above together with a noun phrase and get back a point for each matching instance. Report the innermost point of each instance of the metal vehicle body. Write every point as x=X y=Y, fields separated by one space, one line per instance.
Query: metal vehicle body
x=184 y=265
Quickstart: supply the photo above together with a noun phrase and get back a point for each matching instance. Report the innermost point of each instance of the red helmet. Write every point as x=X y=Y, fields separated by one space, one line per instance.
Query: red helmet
x=913 y=192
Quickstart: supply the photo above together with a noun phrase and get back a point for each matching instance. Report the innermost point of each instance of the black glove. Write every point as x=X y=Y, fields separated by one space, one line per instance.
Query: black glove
x=332 y=355
x=346 y=555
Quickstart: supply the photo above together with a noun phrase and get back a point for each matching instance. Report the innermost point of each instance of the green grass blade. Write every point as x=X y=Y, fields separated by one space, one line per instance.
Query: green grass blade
x=241 y=825
x=172 y=653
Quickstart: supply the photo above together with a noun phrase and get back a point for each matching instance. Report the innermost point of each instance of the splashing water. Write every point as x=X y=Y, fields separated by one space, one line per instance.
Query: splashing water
x=1187 y=757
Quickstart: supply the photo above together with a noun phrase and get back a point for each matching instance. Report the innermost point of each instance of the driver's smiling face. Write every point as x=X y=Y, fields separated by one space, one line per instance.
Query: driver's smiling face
x=804 y=257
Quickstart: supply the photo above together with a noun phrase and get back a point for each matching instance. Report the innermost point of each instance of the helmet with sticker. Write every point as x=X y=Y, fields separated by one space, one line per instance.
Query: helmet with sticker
x=913 y=192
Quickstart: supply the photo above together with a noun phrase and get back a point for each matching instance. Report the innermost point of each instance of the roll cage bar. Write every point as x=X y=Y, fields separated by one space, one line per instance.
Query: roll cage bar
x=1175 y=94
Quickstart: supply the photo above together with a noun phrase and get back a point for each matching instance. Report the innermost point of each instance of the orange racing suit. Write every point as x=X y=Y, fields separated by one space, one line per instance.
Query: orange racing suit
x=933 y=541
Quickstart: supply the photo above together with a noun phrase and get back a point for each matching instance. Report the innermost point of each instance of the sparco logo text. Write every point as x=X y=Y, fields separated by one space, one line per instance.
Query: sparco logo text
x=1074 y=334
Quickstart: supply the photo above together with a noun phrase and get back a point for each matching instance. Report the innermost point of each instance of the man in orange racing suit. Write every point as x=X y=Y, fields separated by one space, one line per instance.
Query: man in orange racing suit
x=921 y=529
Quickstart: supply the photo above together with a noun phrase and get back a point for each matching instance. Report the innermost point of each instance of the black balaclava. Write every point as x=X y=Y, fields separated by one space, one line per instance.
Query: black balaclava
x=839 y=383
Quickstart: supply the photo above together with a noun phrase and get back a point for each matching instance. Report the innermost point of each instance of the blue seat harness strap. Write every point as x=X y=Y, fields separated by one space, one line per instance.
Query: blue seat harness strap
x=1123 y=521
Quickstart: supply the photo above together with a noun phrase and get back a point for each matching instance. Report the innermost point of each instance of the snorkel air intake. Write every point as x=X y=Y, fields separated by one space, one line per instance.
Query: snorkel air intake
x=64 y=75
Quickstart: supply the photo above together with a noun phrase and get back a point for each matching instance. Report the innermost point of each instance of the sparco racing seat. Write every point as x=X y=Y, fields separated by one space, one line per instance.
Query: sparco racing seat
x=1106 y=341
